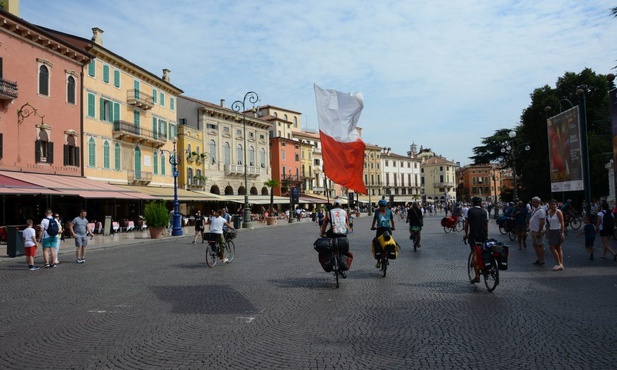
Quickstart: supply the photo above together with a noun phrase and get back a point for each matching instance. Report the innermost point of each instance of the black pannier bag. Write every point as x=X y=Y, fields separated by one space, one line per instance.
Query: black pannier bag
x=325 y=259
x=323 y=245
x=342 y=244
x=346 y=259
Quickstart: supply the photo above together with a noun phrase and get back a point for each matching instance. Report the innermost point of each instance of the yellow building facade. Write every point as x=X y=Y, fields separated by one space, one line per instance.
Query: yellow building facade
x=129 y=118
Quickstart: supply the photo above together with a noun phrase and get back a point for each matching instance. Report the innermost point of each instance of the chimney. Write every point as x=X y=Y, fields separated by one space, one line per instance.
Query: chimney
x=12 y=6
x=166 y=74
x=222 y=103
x=96 y=36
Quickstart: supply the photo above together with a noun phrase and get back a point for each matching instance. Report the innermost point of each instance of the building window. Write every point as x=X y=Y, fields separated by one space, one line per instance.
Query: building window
x=116 y=78
x=106 y=155
x=173 y=131
x=295 y=122
x=109 y=110
x=163 y=162
x=239 y=154
x=71 y=152
x=283 y=155
x=44 y=149
x=155 y=162
x=91 y=105
x=252 y=156
x=155 y=127
x=105 y=73
x=172 y=104
x=211 y=126
x=297 y=157
x=163 y=129
x=70 y=90
x=44 y=80
x=117 y=157
x=162 y=100
x=91 y=153
x=155 y=96
x=212 y=151
x=263 y=158
x=92 y=68
x=227 y=153
x=189 y=175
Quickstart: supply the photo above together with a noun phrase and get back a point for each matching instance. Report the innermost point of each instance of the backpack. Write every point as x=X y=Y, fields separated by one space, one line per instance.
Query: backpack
x=52 y=229
x=608 y=222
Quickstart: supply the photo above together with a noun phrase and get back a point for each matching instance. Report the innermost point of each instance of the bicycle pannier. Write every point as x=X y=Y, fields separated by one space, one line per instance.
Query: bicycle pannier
x=323 y=245
x=342 y=244
x=325 y=259
x=346 y=259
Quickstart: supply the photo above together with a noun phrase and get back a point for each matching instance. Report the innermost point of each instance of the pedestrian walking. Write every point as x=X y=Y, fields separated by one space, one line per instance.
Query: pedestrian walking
x=30 y=245
x=199 y=227
x=48 y=235
x=605 y=223
x=521 y=222
x=60 y=239
x=537 y=220
x=79 y=231
x=590 y=236
x=555 y=233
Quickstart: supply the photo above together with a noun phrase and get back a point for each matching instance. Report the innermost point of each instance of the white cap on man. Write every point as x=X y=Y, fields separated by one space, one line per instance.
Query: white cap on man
x=337 y=202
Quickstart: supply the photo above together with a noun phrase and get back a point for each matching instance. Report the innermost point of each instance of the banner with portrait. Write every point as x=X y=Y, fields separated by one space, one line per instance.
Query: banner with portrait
x=564 y=151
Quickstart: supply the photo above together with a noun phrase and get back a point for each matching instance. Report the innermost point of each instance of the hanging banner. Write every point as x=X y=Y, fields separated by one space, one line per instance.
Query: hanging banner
x=564 y=151
x=613 y=101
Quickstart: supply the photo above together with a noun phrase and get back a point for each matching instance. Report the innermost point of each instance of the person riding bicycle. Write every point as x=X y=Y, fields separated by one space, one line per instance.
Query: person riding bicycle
x=476 y=231
x=415 y=220
x=217 y=223
x=338 y=220
x=567 y=209
x=383 y=218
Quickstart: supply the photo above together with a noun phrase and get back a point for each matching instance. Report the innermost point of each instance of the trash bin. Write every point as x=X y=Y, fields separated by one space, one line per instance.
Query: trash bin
x=14 y=243
x=237 y=222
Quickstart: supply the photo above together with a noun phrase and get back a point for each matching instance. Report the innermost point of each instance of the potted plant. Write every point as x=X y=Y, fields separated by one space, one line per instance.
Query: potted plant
x=271 y=183
x=157 y=218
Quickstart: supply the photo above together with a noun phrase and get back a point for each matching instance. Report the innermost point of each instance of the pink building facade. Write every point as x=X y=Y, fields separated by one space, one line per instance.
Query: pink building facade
x=40 y=100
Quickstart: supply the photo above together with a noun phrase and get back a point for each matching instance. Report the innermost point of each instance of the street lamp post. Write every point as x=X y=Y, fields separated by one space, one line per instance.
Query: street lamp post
x=510 y=150
x=288 y=183
x=174 y=160
x=584 y=148
x=240 y=106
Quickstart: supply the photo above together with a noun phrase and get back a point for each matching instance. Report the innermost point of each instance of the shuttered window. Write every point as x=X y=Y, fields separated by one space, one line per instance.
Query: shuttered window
x=116 y=78
x=117 y=154
x=91 y=153
x=70 y=90
x=91 y=105
x=92 y=68
x=106 y=74
x=44 y=80
x=106 y=155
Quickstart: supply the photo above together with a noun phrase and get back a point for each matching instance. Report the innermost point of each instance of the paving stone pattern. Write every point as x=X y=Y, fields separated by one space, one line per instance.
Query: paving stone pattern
x=158 y=306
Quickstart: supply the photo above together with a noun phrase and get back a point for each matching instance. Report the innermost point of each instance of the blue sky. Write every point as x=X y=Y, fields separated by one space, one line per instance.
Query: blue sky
x=442 y=74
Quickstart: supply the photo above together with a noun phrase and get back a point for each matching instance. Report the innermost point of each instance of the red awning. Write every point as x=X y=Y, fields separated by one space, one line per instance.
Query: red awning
x=71 y=186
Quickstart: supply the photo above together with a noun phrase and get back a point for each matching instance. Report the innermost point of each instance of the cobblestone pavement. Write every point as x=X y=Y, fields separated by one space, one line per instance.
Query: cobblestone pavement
x=156 y=305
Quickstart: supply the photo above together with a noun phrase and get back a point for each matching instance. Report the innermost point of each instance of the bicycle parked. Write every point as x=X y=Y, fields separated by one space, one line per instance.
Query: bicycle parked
x=217 y=248
x=507 y=227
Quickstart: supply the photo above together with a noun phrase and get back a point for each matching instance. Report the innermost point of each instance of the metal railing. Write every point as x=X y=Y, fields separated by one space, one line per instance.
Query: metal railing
x=141 y=176
x=238 y=169
x=130 y=129
x=140 y=99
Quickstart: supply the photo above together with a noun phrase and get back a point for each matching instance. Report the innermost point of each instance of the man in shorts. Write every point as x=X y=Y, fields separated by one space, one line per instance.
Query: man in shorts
x=48 y=241
x=536 y=228
x=415 y=220
x=79 y=230
x=29 y=241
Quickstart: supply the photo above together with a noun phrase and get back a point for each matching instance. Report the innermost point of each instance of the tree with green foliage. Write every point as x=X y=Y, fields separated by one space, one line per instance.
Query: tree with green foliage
x=271 y=183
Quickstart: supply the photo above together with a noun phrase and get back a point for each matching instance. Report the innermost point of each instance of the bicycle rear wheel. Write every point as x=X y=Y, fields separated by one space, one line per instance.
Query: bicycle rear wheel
x=491 y=276
x=502 y=230
x=447 y=229
x=459 y=226
x=384 y=265
x=230 y=250
x=470 y=272
x=575 y=223
x=512 y=235
x=211 y=256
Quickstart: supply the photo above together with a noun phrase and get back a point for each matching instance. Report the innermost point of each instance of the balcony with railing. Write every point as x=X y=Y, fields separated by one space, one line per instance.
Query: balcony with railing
x=443 y=184
x=127 y=131
x=8 y=90
x=238 y=169
x=195 y=182
x=138 y=177
x=139 y=99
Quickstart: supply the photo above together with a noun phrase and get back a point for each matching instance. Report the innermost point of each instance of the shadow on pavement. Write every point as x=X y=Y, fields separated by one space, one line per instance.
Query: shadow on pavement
x=206 y=299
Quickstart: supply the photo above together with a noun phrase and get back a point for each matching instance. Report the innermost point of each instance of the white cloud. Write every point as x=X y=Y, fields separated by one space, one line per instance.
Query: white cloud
x=439 y=73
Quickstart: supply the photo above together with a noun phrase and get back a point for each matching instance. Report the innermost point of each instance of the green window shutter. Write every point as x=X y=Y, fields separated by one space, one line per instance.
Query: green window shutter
x=155 y=161
x=92 y=68
x=117 y=157
x=91 y=105
x=155 y=127
x=162 y=99
x=116 y=114
x=162 y=165
x=116 y=78
x=102 y=109
x=154 y=95
x=136 y=118
x=172 y=104
x=106 y=73
x=91 y=153
x=106 y=155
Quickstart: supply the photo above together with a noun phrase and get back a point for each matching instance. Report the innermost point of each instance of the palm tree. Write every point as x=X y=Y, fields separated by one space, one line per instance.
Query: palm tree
x=271 y=183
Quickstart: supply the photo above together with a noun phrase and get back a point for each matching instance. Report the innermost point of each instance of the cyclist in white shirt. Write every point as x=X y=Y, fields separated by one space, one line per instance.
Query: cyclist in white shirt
x=217 y=223
x=339 y=220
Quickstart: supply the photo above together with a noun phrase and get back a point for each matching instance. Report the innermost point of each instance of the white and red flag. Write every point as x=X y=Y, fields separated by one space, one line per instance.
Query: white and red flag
x=341 y=145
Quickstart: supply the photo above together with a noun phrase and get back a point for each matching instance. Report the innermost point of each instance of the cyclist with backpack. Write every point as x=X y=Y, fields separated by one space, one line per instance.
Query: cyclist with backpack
x=48 y=237
x=605 y=224
x=383 y=219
